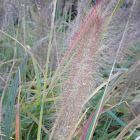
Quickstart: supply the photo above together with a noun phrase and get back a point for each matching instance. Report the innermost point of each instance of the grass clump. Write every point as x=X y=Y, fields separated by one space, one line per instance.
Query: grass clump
x=91 y=81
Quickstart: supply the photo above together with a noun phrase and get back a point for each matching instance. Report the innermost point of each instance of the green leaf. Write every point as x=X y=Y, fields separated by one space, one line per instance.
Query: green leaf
x=13 y=92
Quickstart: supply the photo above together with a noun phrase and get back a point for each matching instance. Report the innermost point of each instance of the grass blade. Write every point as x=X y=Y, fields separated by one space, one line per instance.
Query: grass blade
x=119 y=121
x=127 y=128
x=17 y=114
x=36 y=120
x=100 y=105
x=13 y=92
x=47 y=65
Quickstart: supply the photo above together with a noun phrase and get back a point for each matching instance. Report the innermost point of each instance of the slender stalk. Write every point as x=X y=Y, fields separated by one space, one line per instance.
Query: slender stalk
x=47 y=65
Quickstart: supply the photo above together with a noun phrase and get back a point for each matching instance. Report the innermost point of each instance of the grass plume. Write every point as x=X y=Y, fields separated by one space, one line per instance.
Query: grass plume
x=80 y=71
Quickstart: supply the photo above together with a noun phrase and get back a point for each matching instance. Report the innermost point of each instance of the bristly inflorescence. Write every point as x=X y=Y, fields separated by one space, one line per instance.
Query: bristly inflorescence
x=90 y=54
x=80 y=71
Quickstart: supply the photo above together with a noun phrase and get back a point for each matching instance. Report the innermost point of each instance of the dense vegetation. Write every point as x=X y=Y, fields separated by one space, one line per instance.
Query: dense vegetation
x=69 y=69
